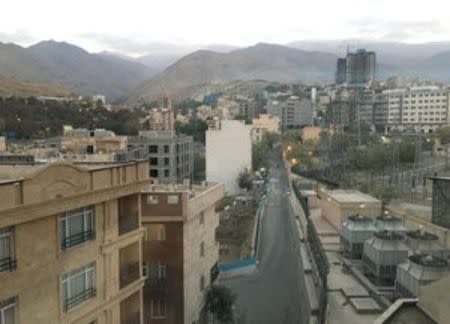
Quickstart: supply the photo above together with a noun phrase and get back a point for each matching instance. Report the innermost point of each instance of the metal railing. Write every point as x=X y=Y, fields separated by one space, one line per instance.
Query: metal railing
x=75 y=300
x=76 y=239
x=7 y=264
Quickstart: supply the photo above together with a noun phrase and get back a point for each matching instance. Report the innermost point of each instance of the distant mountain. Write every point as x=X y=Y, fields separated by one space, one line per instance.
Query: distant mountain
x=73 y=68
x=9 y=87
x=262 y=61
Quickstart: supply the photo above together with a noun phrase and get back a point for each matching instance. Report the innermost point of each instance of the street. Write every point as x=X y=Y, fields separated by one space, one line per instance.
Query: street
x=274 y=294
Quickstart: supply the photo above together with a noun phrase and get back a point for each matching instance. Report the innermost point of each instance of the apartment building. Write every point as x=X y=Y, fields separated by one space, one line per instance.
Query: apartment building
x=170 y=156
x=228 y=153
x=418 y=109
x=296 y=112
x=264 y=124
x=179 y=250
x=71 y=243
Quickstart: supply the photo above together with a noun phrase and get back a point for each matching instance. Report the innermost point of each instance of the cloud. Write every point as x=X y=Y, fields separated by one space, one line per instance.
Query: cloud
x=20 y=36
x=403 y=31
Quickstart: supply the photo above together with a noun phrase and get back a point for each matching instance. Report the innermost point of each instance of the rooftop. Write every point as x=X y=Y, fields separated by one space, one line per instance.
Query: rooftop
x=351 y=196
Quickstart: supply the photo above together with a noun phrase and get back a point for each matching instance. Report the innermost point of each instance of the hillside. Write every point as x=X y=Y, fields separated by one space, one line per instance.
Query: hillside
x=9 y=86
x=73 y=68
x=262 y=61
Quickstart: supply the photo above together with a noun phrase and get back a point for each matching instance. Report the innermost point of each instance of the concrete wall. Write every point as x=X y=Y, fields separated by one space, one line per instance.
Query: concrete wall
x=228 y=152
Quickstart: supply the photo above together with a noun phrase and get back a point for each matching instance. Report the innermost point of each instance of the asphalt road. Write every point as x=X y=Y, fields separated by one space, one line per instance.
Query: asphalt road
x=275 y=293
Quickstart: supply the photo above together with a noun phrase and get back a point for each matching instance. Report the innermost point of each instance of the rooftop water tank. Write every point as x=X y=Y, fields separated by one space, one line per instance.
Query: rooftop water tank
x=420 y=241
x=418 y=270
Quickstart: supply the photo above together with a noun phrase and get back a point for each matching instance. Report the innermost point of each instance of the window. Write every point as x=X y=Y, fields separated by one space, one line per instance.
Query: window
x=8 y=311
x=155 y=232
x=202 y=282
x=153 y=161
x=78 y=286
x=157 y=272
x=153 y=173
x=76 y=227
x=152 y=199
x=7 y=262
x=202 y=249
x=166 y=173
x=166 y=161
x=201 y=217
x=166 y=148
x=145 y=269
x=158 y=308
x=153 y=148
x=172 y=199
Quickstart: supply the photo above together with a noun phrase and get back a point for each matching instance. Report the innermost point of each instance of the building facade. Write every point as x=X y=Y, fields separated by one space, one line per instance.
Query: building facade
x=228 y=153
x=180 y=251
x=360 y=67
x=71 y=243
x=170 y=156
x=296 y=112
x=264 y=124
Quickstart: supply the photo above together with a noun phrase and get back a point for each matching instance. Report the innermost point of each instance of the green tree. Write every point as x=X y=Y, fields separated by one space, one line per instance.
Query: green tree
x=245 y=180
x=444 y=134
x=219 y=301
x=195 y=128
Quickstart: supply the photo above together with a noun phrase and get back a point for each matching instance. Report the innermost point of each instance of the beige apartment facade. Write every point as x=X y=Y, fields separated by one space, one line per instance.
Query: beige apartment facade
x=71 y=244
x=266 y=123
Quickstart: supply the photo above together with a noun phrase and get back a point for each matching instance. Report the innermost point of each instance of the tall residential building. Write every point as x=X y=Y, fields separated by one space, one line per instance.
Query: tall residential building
x=356 y=68
x=179 y=250
x=71 y=243
x=228 y=153
x=361 y=67
x=170 y=156
x=341 y=70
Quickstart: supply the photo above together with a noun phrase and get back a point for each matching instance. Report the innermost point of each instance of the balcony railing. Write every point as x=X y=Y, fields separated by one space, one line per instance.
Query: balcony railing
x=7 y=264
x=76 y=239
x=75 y=300
x=129 y=274
x=128 y=223
x=156 y=282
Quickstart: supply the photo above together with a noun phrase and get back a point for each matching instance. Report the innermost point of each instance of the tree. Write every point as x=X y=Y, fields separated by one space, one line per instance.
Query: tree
x=195 y=128
x=444 y=134
x=219 y=301
x=245 y=180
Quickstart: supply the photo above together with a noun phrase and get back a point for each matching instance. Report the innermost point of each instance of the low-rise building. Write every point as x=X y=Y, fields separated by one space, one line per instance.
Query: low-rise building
x=264 y=124
x=180 y=251
x=337 y=205
x=70 y=243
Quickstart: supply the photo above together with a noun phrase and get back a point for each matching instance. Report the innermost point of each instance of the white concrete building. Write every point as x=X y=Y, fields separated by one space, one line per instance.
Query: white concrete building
x=228 y=152
x=418 y=109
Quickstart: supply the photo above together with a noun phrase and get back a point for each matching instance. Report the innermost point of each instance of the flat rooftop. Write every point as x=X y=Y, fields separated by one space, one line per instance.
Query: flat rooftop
x=351 y=196
x=193 y=190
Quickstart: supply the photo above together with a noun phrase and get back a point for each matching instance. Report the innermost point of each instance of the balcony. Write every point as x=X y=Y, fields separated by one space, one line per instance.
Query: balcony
x=7 y=264
x=130 y=263
x=128 y=214
x=129 y=274
x=76 y=239
x=75 y=300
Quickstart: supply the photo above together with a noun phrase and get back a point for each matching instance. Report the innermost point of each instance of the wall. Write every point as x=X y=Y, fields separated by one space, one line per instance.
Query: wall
x=228 y=152
x=195 y=265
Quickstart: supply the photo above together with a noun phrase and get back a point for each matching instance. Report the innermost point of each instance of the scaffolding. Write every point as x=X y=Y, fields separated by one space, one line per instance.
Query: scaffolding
x=441 y=201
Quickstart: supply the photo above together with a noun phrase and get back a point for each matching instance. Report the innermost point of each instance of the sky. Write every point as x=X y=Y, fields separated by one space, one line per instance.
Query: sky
x=143 y=27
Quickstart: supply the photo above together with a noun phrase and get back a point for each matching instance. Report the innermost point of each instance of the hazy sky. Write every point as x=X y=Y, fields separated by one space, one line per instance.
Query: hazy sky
x=132 y=26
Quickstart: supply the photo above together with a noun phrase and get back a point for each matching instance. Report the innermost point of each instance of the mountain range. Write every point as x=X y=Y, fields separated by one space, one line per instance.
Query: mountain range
x=73 y=68
x=170 y=71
